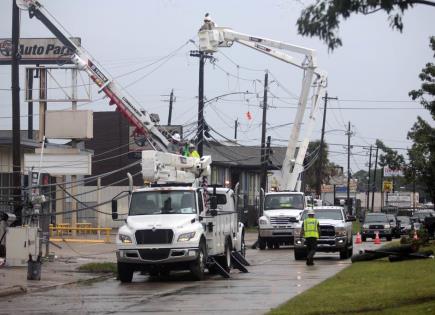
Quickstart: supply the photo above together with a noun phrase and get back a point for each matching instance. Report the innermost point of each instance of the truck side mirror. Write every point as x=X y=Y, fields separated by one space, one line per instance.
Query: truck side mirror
x=114 y=209
x=351 y=218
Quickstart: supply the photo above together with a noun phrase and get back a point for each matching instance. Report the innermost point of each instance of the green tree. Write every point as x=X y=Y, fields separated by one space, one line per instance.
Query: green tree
x=322 y=19
x=422 y=153
x=390 y=157
x=312 y=162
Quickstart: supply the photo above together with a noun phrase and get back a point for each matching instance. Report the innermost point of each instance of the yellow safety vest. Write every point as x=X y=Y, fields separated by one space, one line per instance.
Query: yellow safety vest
x=310 y=227
x=194 y=154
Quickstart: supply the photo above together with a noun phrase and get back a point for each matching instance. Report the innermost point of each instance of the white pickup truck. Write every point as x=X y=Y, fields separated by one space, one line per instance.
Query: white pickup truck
x=280 y=217
x=335 y=232
x=171 y=228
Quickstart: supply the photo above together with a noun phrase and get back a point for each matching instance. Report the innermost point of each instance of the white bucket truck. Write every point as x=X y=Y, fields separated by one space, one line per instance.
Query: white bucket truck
x=171 y=226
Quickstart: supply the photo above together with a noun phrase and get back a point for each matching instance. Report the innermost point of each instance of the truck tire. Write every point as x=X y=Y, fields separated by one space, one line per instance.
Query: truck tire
x=197 y=268
x=363 y=238
x=389 y=238
x=350 y=252
x=225 y=261
x=261 y=243
x=344 y=253
x=125 y=272
x=300 y=254
x=243 y=245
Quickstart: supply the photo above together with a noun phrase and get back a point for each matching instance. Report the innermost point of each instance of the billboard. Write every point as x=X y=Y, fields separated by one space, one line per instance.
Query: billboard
x=37 y=51
x=60 y=164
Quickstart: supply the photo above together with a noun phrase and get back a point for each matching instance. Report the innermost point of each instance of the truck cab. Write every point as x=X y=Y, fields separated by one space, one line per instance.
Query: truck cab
x=335 y=232
x=172 y=228
x=280 y=216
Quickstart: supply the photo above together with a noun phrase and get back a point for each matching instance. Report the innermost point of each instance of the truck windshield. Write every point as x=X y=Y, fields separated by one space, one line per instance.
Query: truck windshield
x=376 y=218
x=295 y=201
x=329 y=214
x=162 y=202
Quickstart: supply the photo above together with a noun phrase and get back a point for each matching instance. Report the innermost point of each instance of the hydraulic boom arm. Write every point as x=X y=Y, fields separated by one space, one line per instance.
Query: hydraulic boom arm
x=212 y=37
x=138 y=118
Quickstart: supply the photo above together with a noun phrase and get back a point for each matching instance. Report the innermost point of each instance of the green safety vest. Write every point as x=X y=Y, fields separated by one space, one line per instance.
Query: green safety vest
x=310 y=227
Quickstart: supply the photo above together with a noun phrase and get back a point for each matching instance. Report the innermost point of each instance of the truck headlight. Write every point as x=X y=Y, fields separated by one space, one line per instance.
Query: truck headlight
x=125 y=239
x=387 y=226
x=185 y=237
x=366 y=226
x=262 y=221
x=340 y=231
x=297 y=231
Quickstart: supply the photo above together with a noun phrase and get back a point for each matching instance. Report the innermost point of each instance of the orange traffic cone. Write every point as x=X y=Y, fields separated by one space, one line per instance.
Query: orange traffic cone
x=377 y=239
x=358 y=238
x=415 y=235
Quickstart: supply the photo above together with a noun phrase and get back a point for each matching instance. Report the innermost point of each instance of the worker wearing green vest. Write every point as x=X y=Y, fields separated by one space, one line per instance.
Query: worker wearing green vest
x=311 y=232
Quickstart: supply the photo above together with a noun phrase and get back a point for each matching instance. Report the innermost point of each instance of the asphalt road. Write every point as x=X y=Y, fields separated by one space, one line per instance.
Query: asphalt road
x=274 y=277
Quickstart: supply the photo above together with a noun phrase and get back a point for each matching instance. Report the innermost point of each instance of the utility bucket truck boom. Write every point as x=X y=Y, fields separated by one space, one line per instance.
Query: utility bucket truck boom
x=281 y=210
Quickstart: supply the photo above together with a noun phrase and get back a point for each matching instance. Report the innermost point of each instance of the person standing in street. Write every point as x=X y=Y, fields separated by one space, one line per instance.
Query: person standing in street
x=311 y=232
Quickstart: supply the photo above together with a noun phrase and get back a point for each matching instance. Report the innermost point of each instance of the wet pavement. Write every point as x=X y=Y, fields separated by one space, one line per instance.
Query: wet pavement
x=274 y=277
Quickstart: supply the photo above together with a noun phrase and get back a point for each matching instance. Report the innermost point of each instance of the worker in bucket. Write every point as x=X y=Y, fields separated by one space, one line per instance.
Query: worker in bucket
x=208 y=23
x=311 y=232
x=192 y=151
x=175 y=143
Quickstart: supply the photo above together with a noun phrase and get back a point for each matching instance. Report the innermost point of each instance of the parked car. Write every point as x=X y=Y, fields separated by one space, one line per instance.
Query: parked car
x=395 y=225
x=376 y=222
x=405 y=224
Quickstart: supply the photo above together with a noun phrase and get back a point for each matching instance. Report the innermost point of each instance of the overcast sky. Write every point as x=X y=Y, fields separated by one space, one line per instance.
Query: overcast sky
x=372 y=73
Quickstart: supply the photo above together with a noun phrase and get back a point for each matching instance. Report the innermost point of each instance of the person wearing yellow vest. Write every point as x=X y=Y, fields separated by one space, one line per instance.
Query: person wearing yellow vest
x=192 y=151
x=311 y=232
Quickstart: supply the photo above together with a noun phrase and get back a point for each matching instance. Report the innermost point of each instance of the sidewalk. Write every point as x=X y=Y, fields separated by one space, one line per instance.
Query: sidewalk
x=13 y=280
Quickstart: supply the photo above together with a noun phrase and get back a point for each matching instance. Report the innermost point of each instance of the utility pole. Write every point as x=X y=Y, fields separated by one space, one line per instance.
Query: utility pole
x=263 y=133
x=30 y=104
x=236 y=124
x=16 y=138
x=368 y=183
x=319 y=169
x=265 y=162
x=171 y=100
x=374 y=180
x=200 y=139
x=349 y=206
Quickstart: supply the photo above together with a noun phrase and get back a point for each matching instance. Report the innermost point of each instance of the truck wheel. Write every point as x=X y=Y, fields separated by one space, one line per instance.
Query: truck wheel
x=125 y=272
x=243 y=246
x=350 y=252
x=300 y=254
x=226 y=260
x=344 y=253
x=261 y=243
x=198 y=266
x=363 y=238
x=389 y=238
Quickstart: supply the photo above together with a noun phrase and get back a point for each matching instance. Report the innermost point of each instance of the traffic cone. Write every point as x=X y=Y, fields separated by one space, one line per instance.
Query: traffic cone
x=377 y=239
x=358 y=238
x=415 y=235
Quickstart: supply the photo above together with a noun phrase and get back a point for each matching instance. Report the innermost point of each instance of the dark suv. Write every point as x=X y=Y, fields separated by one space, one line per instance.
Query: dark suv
x=395 y=225
x=376 y=222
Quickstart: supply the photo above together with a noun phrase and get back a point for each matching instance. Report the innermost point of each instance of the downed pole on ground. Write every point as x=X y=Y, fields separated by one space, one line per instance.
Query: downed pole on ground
x=396 y=253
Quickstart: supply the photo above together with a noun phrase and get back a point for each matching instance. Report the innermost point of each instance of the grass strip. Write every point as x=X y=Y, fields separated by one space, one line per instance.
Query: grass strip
x=373 y=287
x=104 y=267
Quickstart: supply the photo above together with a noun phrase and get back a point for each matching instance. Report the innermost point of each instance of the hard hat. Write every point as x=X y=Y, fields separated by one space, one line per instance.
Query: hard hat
x=207 y=18
x=311 y=212
x=176 y=137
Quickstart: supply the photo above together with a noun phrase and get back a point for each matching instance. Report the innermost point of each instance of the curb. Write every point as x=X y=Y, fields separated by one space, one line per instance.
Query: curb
x=17 y=290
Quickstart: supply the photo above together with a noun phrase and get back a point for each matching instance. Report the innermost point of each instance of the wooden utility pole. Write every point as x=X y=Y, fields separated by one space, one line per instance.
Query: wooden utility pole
x=368 y=182
x=349 y=205
x=171 y=100
x=29 y=80
x=319 y=169
x=16 y=137
x=263 y=133
x=200 y=138
x=374 y=180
